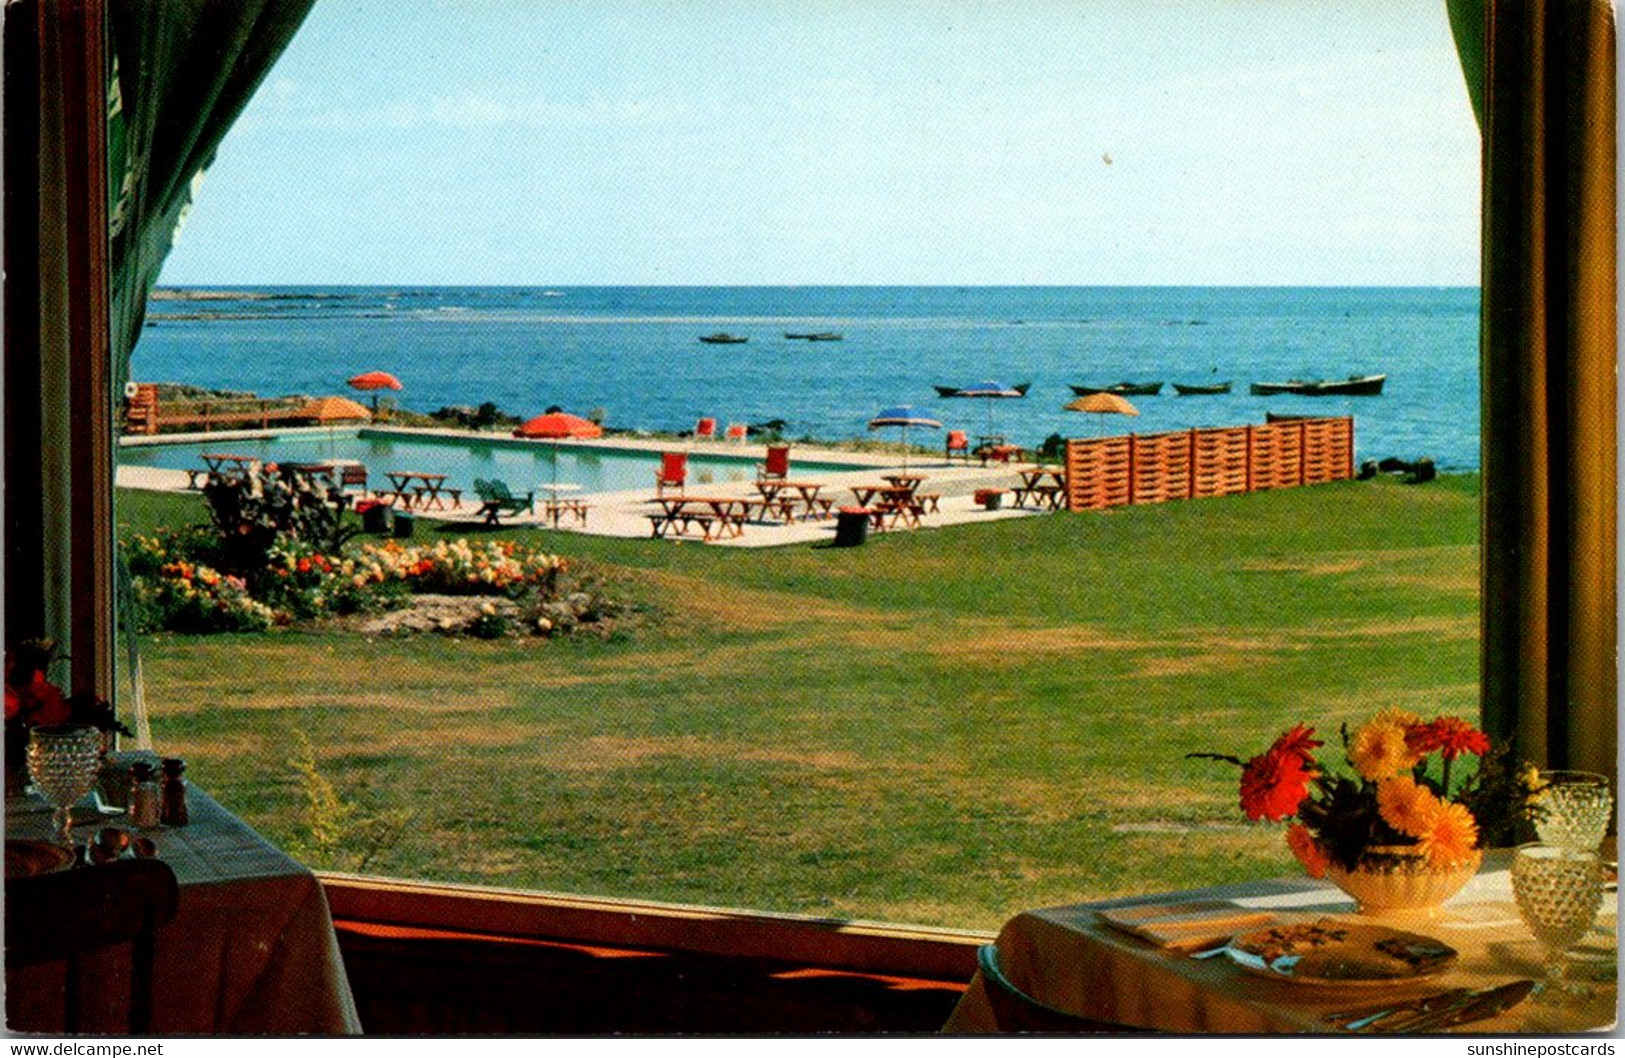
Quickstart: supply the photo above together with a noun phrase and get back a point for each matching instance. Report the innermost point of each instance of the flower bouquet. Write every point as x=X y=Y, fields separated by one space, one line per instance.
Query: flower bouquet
x=32 y=700
x=1398 y=833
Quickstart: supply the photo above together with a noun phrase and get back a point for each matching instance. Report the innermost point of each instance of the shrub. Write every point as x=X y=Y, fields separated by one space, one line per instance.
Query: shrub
x=185 y=597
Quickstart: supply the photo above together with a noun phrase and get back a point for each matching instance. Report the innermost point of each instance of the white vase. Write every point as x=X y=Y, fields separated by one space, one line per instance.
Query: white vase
x=1397 y=881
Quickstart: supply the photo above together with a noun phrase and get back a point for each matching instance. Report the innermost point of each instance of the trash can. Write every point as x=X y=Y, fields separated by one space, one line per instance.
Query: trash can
x=851 y=526
x=405 y=522
x=374 y=517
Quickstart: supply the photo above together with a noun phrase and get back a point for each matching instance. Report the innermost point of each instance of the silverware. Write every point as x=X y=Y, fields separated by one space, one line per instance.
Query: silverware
x=1355 y=1020
x=1211 y=952
x=1472 y=1007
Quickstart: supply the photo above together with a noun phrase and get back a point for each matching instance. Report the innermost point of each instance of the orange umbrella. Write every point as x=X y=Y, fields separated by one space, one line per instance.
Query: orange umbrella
x=555 y=425
x=375 y=380
x=334 y=409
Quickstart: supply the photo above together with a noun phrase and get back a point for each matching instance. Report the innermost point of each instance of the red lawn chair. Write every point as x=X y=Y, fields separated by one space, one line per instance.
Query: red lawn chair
x=777 y=465
x=706 y=428
x=957 y=442
x=736 y=432
x=673 y=472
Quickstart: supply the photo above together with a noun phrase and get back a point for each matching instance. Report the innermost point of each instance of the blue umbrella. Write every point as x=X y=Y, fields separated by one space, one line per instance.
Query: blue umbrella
x=905 y=416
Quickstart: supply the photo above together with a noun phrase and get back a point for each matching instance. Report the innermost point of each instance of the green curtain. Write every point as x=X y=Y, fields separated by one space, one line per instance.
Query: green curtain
x=184 y=70
x=1541 y=74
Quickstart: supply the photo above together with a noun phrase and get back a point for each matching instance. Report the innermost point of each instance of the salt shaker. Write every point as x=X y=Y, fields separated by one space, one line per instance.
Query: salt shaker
x=173 y=811
x=144 y=796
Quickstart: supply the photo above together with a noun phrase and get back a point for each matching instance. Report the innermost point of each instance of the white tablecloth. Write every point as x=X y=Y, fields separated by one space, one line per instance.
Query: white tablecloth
x=251 y=950
x=1068 y=959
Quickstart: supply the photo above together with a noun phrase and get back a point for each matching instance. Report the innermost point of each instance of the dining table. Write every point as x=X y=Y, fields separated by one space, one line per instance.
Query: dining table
x=412 y=487
x=716 y=516
x=250 y=952
x=813 y=506
x=1074 y=960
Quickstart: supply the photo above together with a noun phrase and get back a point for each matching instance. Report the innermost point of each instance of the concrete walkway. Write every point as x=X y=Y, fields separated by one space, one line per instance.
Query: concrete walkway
x=625 y=514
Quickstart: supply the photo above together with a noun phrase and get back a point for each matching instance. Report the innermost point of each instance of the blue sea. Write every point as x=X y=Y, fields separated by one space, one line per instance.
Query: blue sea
x=634 y=352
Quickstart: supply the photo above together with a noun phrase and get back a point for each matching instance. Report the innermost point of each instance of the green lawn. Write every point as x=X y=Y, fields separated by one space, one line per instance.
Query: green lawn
x=938 y=727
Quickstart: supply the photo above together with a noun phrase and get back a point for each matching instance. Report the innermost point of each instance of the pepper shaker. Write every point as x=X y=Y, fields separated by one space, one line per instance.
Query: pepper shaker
x=173 y=812
x=144 y=807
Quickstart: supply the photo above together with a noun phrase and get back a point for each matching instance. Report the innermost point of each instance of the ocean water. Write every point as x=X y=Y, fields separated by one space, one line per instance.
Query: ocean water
x=634 y=352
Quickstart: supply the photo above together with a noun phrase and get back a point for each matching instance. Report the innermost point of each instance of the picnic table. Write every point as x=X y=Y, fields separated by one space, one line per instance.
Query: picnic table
x=221 y=464
x=715 y=515
x=1042 y=492
x=889 y=504
x=555 y=507
x=813 y=505
x=413 y=487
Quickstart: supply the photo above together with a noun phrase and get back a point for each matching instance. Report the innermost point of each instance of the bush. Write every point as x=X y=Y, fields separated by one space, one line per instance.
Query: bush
x=184 y=597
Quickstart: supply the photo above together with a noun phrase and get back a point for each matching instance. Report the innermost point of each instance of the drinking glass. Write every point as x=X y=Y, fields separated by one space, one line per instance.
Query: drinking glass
x=1558 y=890
x=64 y=761
x=1572 y=809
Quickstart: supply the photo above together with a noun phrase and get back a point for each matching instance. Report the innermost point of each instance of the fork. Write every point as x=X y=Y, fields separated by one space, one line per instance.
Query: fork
x=1356 y=1020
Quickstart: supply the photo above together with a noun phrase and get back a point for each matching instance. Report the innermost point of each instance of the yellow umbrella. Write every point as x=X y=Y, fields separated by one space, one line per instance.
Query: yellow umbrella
x=1103 y=404
x=334 y=409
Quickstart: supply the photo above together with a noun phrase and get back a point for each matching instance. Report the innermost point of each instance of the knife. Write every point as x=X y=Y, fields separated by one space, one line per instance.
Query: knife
x=1474 y=1008
x=1355 y=1020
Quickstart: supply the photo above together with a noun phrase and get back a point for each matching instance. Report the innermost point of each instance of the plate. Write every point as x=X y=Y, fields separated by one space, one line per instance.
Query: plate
x=1334 y=952
x=26 y=857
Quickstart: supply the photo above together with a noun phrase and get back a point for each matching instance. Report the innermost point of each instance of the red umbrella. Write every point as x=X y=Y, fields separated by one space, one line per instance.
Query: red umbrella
x=375 y=380
x=557 y=424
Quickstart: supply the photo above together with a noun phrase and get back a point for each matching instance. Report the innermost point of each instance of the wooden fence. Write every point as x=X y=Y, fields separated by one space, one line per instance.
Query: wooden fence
x=1155 y=468
x=143 y=414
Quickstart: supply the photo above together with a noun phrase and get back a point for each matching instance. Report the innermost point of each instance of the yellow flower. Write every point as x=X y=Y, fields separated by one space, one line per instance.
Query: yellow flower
x=1378 y=749
x=1406 y=806
x=1452 y=837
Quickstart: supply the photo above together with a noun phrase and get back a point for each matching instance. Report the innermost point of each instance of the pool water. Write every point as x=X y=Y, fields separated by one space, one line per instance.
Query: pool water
x=522 y=465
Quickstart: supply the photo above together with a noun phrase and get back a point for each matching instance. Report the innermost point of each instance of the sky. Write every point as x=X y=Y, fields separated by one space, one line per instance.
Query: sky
x=721 y=142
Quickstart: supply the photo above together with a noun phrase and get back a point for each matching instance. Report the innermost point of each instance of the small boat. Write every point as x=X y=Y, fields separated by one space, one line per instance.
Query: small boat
x=816 y=336
x=1122 y=389
x=721 y=338
x=1353 y=386
x=1201 y=390
x=958 y=391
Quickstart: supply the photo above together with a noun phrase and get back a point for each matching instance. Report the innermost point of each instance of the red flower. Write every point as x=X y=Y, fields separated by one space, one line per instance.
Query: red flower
x=1450 y=735
x=14 y=704
x=1300 y=742
x=1273 y=784
x=41 y=702
x=304 y=565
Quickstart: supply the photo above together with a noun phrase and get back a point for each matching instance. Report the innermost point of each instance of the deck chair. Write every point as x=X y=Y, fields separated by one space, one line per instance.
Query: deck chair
x=1016 y=1011
x=496 y=500
x=777 y=465
x=736 y=432
x=353 y=476
x=66 y=915
x=673 y=472
x=706 y=429
x=957 y=443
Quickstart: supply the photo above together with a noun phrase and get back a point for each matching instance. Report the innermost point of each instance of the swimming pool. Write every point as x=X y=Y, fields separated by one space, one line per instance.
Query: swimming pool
x=523 y=465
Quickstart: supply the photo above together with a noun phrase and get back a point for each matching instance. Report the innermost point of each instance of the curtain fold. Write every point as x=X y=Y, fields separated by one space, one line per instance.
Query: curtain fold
x=1548 y=347
x=185 y=71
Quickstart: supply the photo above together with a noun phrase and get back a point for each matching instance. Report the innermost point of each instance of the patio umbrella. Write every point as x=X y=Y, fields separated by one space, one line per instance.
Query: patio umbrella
x=374 y=381
x=990 y=391
x=334 y=409
x=556 y=425
x=1102 y=404
x=904 y=416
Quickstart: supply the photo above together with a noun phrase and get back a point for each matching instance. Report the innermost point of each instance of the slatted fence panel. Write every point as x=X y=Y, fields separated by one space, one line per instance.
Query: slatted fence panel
x=1097 y=473
x=1220 y=461
x=1276 y=452
x=1328 y=450
x=1162 y=467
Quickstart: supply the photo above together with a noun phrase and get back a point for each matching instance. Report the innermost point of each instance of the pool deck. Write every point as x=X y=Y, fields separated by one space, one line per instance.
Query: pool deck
x=625 y=513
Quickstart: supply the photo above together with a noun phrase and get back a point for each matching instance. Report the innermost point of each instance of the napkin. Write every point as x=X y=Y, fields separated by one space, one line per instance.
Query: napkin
x=1187 y=925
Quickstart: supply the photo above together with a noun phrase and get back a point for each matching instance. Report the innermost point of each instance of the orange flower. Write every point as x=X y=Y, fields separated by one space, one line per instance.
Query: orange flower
x=1452 y=838
x=1406 y=806
x=1273 y=784
x=1451 y=735
x=1307 y=850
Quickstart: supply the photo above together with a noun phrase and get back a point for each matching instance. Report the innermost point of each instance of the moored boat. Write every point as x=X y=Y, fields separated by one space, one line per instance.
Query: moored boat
x=1353 y=386
x=1122 y=389
x=722 y=338
x=813 y=336
x=958 y=391
x=1201 y=390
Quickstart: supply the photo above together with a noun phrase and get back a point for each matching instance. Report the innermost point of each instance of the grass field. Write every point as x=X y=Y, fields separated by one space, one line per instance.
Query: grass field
x=939 y=727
